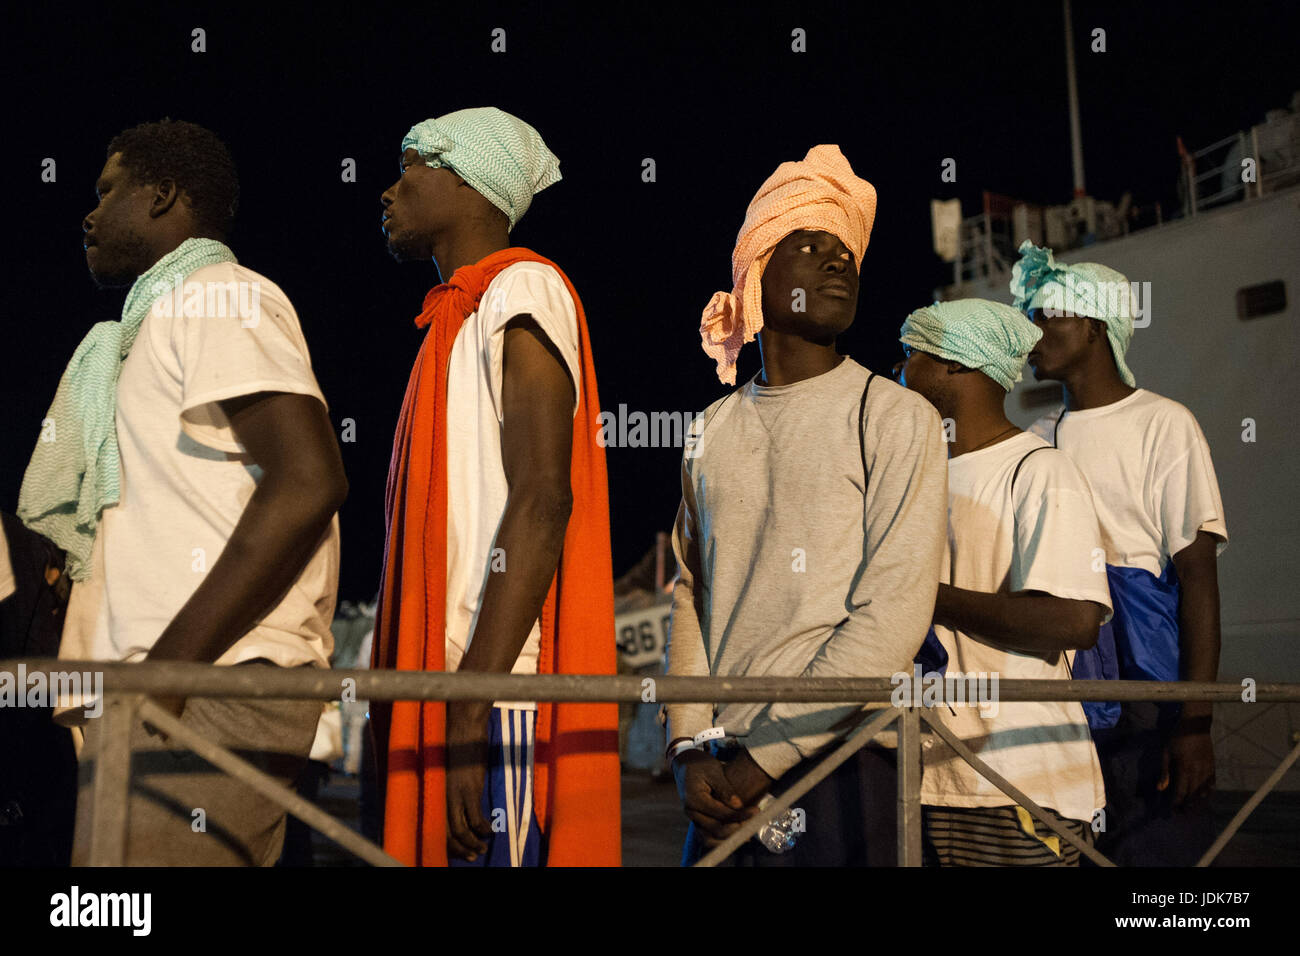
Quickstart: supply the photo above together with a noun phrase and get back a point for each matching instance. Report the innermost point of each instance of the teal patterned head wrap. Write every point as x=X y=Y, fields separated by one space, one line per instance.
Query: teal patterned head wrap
x=500 y=155
x=988 y=336
x=73 y=474
x=1087 y=289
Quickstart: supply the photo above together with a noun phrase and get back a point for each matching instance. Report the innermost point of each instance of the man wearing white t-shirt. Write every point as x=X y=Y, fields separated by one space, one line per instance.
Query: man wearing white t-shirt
x=498 y=538
x=1021 y=589
x=1162 y=525
x=221 y=478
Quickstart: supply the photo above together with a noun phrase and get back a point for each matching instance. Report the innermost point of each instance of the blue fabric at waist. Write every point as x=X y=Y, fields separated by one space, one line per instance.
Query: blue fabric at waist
x=1145 y=622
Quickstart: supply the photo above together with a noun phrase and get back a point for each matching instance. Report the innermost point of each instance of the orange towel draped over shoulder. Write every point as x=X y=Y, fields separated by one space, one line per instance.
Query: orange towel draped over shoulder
x=576 y=771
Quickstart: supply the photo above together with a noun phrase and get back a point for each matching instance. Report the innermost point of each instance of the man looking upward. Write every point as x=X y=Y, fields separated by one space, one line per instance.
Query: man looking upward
x=498 y=521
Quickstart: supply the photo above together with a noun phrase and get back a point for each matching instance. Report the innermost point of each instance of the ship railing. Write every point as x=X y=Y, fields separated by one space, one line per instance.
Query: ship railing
x=1213 y=174
x=1244 y=165
x=979 y=258
x=128 y=691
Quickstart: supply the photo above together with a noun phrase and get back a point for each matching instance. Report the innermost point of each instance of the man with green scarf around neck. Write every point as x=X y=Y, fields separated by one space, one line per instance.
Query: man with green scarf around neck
x=194 y=479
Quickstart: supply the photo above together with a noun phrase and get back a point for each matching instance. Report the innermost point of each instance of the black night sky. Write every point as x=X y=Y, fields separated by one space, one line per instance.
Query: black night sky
x=714 y=96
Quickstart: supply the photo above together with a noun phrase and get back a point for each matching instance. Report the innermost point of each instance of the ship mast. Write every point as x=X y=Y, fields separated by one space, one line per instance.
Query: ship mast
x=1076 y=138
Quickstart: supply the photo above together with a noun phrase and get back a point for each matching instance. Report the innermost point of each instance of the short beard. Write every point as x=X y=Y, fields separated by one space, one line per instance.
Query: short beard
x=133 y=256
x=405 y=247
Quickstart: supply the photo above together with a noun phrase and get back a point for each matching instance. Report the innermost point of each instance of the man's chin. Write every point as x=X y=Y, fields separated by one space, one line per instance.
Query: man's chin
x=403 y=250
x=821 y=328
x=107 y=280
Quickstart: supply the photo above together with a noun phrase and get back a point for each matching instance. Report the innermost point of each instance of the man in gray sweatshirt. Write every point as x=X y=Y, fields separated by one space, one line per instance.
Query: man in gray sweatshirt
x=810 y=533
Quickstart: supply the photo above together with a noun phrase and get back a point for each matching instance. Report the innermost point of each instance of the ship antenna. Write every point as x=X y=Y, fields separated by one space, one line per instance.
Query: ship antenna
x=1076 y=138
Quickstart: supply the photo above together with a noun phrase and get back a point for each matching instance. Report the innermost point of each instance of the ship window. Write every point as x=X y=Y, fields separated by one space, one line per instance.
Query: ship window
x=1267 y=298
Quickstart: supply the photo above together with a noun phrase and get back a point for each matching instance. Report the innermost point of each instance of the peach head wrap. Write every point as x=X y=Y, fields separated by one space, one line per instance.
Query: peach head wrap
x=819 y=192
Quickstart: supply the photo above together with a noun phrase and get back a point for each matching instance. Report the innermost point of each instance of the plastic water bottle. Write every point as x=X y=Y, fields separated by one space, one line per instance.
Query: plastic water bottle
x=779 y=835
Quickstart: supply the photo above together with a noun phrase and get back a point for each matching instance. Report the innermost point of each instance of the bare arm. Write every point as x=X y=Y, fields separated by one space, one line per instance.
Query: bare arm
x=536 y=449
x=1198 y=617
x=291 y=439
x=1190 y=758
x=1024 y=621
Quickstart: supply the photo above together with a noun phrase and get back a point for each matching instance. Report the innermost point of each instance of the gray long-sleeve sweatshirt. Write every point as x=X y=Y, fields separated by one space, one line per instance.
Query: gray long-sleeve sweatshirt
x=786 y=568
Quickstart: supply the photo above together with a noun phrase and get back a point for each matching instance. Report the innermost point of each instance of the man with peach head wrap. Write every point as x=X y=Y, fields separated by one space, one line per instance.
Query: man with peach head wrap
x=810 y=531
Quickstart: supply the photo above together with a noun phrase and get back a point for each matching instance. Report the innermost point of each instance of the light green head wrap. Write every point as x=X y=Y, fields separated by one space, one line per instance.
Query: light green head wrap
x=500 y=155
x=1086 y=289
x=988 y=336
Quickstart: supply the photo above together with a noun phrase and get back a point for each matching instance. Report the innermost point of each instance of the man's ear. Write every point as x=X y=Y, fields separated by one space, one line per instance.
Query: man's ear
x=164 y=198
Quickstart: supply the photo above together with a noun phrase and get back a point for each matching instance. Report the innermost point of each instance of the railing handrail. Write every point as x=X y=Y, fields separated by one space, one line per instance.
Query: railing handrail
x=123 y=686
x=188 y=679
x=1218 y=144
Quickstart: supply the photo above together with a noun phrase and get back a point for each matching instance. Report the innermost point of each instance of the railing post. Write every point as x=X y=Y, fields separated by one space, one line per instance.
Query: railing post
x=909 y=787
x=1259 y=163
x=1241 y=149
x=111 y=787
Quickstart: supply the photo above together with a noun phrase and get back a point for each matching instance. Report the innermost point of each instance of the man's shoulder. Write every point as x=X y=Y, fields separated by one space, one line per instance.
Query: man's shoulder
x=704 y=417
x=527 y=285
x=1045 y=425
x=1162 y=427
x=251 y=285
x=529 y=270
x=891 y=404
x=1040 y=466
x=1161 y=409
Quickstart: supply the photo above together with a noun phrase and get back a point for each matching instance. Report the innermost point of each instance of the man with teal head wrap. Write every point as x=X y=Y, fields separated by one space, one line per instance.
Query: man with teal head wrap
x=1162 y=521
x=499 y=155
x=1045 y=289
x=1017 y=593
x=986 y=336
x=494 y=454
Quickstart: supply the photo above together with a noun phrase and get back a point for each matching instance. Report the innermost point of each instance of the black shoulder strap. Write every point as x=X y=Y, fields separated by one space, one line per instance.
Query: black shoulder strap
x=1057 y=427
x=862 y=436
x=1015 y=474
x=735 y=391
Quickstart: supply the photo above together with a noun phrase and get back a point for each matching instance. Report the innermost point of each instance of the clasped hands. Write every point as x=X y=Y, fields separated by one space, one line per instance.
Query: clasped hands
x=719 y=796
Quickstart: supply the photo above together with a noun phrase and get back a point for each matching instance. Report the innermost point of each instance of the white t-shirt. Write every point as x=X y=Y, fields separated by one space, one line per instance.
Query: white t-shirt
x=186 y=480
x=1043 y=540
x=476 y=478
x=1152 y=479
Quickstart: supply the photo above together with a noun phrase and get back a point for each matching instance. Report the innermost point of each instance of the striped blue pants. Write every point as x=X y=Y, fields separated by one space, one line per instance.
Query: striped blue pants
x=516 y=839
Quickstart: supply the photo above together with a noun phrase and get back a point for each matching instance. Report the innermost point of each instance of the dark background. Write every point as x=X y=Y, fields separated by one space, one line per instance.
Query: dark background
x=714 y=96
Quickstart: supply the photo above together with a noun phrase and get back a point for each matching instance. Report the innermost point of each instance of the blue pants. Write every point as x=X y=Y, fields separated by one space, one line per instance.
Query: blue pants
x=516 y=839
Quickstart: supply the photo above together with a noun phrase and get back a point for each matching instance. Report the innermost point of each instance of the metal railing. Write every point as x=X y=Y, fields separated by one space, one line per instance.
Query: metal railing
x=126 y=689
x=1213 y=174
